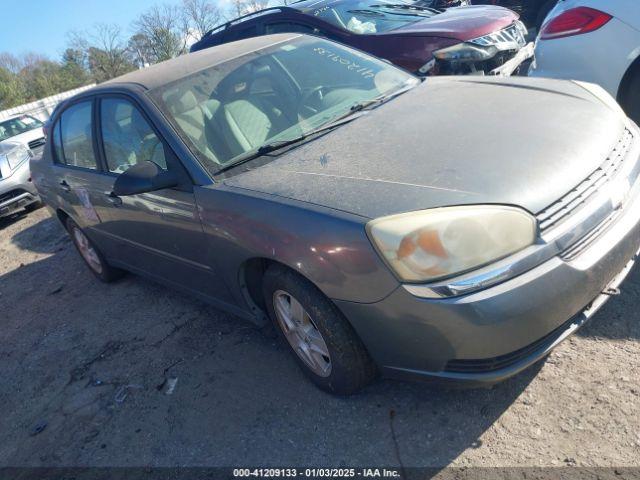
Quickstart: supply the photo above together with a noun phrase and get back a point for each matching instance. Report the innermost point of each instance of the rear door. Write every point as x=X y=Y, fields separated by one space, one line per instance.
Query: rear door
x=78 y=180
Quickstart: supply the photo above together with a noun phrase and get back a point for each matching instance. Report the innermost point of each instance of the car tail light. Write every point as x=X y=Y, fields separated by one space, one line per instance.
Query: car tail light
x=574 y=22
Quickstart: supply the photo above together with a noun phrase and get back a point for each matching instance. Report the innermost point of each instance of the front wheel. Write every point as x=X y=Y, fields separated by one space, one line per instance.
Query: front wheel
x=324 y=344
x=91 y=255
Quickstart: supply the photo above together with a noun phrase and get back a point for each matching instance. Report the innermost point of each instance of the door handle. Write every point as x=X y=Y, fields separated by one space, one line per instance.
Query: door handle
x=65 y=186
x=113 y=199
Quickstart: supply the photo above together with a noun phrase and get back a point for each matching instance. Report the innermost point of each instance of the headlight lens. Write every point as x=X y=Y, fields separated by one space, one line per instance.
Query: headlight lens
x=431 y=244
x=17 y=157
x=466 y=52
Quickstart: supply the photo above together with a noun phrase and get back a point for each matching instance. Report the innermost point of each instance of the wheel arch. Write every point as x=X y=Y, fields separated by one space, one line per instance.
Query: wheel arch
x=250 y=279
x=62 y=217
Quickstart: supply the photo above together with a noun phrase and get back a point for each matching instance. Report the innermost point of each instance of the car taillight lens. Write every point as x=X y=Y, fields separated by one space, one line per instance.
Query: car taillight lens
x=574 y=22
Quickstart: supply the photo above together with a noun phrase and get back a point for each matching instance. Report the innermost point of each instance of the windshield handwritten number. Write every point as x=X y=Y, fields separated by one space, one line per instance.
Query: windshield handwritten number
x=351 y=66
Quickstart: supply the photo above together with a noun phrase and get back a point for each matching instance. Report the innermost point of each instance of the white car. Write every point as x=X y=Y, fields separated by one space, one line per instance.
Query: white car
x=23 y=129
x=595 y=41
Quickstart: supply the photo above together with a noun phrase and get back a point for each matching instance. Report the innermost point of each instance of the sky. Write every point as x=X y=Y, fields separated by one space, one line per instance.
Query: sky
x=41 y=26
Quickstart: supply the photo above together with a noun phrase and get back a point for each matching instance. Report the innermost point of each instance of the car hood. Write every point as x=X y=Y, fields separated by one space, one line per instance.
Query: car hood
x=26 y=137
x=462 y=23
x=451 y=141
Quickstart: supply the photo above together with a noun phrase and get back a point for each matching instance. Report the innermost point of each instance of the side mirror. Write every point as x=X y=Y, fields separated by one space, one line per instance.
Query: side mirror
x=143 y=177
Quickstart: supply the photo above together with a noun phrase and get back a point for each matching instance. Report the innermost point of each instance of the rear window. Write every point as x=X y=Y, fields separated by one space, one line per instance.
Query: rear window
x=73 y=137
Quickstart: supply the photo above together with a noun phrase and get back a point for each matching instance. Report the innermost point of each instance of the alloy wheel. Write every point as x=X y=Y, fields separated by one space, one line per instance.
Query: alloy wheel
x=302 y=333
x=87 y=251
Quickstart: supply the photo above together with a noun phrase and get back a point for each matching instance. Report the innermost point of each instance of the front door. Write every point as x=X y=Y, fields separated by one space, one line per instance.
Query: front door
x=158 y=233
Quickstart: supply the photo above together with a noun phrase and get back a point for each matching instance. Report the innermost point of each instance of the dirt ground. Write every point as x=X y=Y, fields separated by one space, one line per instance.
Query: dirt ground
x=133 y=374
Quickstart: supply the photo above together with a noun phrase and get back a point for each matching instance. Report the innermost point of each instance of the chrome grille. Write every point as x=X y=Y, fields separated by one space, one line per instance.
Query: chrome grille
x=12 y=194
x=567 y=205
x=514 y=37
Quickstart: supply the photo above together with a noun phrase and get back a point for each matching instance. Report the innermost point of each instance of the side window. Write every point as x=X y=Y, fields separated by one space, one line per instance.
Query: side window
x=127 y=137
x=289 y=27
x=76 y=137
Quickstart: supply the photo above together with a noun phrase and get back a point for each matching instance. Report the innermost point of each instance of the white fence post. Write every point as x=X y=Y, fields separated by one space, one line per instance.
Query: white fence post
x=42 y=109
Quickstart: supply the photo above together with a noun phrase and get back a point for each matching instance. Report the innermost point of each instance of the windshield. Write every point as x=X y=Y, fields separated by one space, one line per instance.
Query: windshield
x=371 y=16
x=16 y=126
x=276 y=94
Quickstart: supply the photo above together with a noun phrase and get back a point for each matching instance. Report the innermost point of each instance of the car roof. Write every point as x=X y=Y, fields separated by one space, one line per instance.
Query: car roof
x=300 y=6
x=17 y=115
x=166 y=72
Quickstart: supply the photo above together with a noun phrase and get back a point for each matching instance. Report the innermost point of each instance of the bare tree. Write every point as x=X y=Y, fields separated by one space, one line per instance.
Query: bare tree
x=103 y=50
x=11 y=63
x=243 y=7
x=164 y=30
x=108 y=55
x=200 y=16
x=140 y=50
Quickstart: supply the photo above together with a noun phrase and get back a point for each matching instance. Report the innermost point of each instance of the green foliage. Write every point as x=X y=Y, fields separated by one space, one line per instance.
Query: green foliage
x=11 y=90
x=105 y=65
x=162 y=32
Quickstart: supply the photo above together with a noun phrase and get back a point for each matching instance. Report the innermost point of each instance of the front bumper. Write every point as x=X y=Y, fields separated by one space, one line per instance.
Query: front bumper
x=511 y=66
x=17 y=191
x=490 y=335
x=506 y=66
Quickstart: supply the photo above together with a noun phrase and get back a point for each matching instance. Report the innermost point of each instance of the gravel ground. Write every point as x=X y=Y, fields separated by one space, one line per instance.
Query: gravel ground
x=133 y=374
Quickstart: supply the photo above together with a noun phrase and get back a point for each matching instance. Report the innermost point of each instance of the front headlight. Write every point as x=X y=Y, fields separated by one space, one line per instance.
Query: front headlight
x=466 y=52
x=432 y=244
x=17 y=157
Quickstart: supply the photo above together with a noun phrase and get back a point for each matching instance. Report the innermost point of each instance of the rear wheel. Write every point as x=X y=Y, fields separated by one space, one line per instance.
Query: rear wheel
x=324 y=344
x=91 y=255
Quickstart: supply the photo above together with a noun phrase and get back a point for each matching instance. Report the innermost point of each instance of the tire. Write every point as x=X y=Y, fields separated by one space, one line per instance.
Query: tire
x=350 y=367
x=91 y=255
x=631 y=98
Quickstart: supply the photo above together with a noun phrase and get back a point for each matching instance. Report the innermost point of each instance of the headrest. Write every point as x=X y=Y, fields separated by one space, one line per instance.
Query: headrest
x=210 y=107
x=236 y=85
x=181 y=102
x=123 y=111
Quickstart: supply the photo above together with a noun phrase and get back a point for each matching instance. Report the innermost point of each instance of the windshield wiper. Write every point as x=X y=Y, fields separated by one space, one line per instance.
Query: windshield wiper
x=280 y=144
x=368 y=104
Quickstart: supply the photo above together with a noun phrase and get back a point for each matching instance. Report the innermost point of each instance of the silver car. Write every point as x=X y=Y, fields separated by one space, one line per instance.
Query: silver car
x=291 y=178
x=24 y=129
x=17 y=191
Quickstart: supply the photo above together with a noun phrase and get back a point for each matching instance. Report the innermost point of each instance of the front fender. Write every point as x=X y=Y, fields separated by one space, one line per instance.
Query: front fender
x=328 y=247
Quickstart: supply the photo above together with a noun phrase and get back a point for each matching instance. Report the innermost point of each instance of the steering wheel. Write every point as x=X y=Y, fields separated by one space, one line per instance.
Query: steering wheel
x=311 y=100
